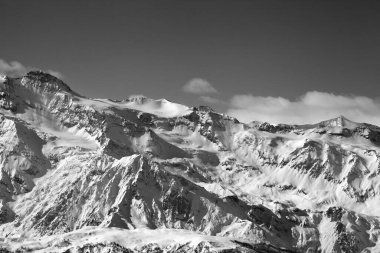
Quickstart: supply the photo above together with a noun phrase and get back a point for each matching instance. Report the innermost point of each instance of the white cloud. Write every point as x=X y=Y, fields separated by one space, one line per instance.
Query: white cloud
x=199 y=86
x=312 y=107
x=15 y=68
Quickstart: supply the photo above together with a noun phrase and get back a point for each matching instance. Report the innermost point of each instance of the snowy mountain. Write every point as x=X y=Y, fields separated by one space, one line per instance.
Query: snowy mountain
x=144 y=175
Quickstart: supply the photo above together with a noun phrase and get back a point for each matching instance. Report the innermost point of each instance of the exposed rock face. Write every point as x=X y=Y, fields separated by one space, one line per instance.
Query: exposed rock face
x=43 y=82
x=73 y=169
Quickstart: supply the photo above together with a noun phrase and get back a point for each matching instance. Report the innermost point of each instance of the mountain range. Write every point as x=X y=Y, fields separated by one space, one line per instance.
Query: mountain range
x=81 y=174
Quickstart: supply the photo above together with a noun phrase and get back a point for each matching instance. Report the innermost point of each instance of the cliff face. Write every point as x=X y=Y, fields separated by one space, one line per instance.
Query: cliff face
x=81 y=173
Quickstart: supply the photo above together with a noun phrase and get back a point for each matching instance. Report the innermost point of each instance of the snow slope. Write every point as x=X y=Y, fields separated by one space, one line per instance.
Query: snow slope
x=95 y=175
x=95 y=238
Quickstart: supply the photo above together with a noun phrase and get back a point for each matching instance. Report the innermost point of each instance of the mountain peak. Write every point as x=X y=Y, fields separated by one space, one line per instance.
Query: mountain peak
x=205 y=108
x=42 y=80
x=339 y=121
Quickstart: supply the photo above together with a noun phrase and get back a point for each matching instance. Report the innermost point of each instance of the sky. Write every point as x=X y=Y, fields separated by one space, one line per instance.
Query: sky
x=290 y=61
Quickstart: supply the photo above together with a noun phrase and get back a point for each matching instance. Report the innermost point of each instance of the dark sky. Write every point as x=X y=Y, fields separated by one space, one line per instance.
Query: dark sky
x=277 y=48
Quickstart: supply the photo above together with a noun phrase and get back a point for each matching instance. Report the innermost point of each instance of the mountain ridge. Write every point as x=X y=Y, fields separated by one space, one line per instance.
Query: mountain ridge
x=51 y=83
x=71 y=163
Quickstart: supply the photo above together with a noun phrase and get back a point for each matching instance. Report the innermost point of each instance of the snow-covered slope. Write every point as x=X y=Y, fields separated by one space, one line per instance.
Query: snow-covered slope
x=95 y=175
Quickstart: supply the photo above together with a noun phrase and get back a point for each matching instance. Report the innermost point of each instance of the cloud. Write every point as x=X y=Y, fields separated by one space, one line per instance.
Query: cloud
x=199 y=86
x=15 y=68
x=211 y=100
x=312 y=107
x=57 y=74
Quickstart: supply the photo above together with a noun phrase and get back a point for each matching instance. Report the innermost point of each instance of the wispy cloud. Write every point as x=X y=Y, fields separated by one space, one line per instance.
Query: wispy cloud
x=212 y=100
x=199 y=86
x=15 y=68
x=57 y=74
x=312 y=107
